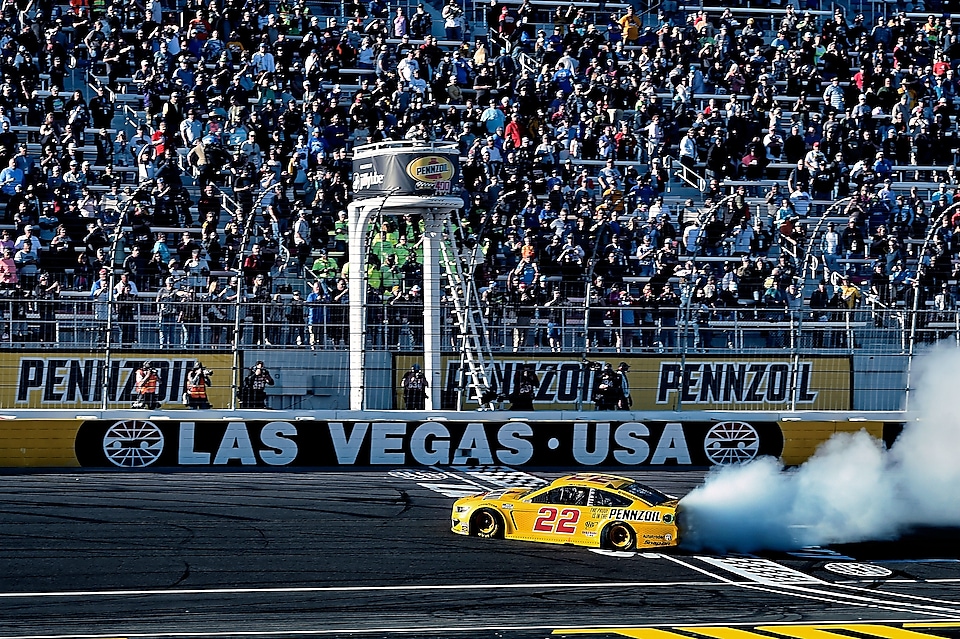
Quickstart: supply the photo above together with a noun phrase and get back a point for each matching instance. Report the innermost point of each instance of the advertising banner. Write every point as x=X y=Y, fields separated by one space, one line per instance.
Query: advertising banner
x=423 y=173
x=143 y=443
x=64 y=379
x=669 y=383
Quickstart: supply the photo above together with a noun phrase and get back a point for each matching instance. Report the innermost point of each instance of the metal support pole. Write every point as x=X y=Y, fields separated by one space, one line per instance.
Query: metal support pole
x=432 y=293
x=360 y=213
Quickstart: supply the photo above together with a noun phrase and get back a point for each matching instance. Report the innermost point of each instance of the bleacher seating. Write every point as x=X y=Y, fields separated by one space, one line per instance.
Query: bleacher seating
x=623 y=215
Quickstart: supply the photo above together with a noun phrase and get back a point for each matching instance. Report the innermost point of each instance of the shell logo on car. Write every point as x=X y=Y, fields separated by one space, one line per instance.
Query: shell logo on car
x=597 y=510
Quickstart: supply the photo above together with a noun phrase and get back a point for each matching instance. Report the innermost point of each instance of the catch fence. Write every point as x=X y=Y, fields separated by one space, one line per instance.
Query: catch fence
x=81 y=352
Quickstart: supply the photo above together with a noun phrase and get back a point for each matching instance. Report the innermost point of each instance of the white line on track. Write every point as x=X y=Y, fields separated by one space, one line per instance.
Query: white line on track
x=443 y=629
x=839 y=598
x=335 y=589
x=949 y=580
x=904 y=595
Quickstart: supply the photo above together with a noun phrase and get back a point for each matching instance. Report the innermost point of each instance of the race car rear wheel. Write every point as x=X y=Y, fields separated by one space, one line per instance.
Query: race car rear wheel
x=487 y=524
x=620 y=536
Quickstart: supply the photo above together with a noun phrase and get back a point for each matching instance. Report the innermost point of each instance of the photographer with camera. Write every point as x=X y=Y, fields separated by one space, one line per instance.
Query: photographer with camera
x=606 y=391
x=525 y=385
x=197 y=381
x=414 y=385
x=146 y=382
x=253 y=392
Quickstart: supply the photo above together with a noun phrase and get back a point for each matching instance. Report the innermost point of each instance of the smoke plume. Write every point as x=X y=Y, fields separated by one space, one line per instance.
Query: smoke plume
x=853 y=488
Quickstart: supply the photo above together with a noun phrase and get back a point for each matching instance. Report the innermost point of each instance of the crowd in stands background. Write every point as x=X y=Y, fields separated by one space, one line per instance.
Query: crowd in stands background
x=252 y=98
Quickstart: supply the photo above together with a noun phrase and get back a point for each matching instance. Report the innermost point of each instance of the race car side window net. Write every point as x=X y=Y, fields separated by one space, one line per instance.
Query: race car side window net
x=650 y=495
x=603 y=498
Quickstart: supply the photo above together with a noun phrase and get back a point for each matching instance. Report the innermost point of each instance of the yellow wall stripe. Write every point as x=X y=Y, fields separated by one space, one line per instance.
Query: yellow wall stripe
x=933 y=624
x=819 y=631
x=636 y=633
x=887 y=632
x=720 y=632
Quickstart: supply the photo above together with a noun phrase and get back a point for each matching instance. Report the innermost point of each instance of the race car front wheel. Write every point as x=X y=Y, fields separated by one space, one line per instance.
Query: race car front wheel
x=487 y=524
x=620 y=536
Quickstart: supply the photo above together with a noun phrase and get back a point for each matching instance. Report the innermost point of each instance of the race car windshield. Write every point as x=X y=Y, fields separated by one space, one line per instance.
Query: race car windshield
x=647 y=494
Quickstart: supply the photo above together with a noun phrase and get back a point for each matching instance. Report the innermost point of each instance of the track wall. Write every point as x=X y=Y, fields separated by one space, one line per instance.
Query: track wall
x=205 y=440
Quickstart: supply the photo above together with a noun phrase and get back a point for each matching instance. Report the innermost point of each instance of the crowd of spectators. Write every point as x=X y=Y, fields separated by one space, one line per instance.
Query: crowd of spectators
x=571 y=127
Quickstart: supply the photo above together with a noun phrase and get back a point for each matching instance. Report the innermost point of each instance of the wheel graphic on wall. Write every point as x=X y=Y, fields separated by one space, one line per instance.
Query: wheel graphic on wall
x=731 y=443
x=133 y=444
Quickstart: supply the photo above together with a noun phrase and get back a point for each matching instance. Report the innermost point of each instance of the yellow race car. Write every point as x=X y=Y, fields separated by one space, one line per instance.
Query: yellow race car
x=602 y=511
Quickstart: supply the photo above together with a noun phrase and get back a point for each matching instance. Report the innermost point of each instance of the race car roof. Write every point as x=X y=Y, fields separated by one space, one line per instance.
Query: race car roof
x=598 y=480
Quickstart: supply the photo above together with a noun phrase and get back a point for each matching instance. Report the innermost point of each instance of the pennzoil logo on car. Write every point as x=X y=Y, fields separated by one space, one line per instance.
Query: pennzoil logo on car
x=432 y=171
x=635 y=515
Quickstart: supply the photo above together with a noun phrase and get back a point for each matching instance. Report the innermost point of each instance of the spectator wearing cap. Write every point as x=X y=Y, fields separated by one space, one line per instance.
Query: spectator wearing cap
x=453 y=20
x=492 y=118
x=191 y=129
x=28 y=236
x=815 y=161
x=882 y=167
x=850 y=293
x=421 y=22
x=263 y=60
x=942 y=193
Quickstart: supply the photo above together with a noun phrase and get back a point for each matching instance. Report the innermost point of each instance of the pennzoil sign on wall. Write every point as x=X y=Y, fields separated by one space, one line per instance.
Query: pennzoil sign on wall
x=144 y=443
x=695 y=383
x=406 y=173
x=78 y=380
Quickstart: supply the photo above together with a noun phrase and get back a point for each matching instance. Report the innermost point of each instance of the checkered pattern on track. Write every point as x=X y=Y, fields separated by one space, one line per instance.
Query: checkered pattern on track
x=502 y=476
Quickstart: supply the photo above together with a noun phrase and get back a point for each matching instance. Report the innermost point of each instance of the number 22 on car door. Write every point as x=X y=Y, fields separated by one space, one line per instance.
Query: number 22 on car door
x=556 y=520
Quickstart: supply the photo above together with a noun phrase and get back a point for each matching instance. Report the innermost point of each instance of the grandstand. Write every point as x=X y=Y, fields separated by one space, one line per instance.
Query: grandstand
x=661 y=183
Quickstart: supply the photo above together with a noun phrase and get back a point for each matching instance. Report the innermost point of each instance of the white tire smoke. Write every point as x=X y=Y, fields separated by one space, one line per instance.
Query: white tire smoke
x=852 y=489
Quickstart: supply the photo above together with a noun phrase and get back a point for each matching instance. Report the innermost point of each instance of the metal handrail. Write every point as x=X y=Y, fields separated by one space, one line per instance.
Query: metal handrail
x=700 y=183
x=245 y=239
x=376 y=148
x=814 y=235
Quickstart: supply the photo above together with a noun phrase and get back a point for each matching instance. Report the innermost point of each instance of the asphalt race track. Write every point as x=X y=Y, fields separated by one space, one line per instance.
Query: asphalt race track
x=368 y=554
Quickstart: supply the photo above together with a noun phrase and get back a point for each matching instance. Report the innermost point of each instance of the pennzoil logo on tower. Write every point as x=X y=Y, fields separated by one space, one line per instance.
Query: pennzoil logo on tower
x=434 y=172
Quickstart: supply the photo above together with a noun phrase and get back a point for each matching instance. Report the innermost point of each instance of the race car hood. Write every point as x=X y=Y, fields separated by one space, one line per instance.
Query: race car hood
x=507 y=494
x=501 y=495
